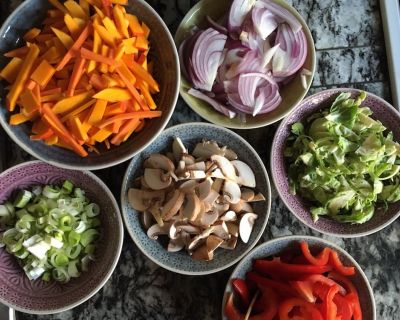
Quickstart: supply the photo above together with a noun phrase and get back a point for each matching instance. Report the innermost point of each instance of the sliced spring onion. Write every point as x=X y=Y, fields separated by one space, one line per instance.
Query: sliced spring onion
x=53 y=232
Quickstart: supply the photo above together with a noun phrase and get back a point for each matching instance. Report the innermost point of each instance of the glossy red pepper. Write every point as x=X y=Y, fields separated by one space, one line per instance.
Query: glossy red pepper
x=314 y=278
x=240 y=288
x=307 y=309
x=279 y=287
x=338 y=265
x=230 y=310
x=330 y=307
x=304 y=289
x=344 y=308
x=320 y=260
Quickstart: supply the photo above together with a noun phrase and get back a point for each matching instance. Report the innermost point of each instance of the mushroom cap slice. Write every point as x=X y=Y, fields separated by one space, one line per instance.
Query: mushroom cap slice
x=231 y=191
x=247 y=194
x=159 y=161
x=188 y=186
x=176 y=245
x=202 y=253
x=233 y=228
x=141 y=200
x=154 y=178
x=188 y=228
x=203 y=189
x=241 y=206
x=220 y=229
x=258 y=197
x=208 y=219
x=246 y=226
x=206 y=149
x=178 y=148
x=245 y=176
x=155 y=230
x=213 y=242
x=195 y=174
x=229 y=216
x=191 y=207
x=201 y=166
x=230 y=154
x=155 y=210
x=172 y=206
x=226 y=166
x=229 y=244
x=147 y=219
x=188 y=159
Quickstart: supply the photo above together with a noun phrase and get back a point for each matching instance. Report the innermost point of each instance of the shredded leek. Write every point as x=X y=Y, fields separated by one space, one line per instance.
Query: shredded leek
x=52 y=230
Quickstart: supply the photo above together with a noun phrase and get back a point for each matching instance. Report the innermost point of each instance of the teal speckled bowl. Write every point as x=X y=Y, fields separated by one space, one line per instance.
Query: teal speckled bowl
x=181 y=262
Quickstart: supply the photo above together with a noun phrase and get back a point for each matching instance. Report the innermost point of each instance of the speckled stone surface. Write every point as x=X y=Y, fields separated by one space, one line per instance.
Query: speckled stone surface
x=350 y=53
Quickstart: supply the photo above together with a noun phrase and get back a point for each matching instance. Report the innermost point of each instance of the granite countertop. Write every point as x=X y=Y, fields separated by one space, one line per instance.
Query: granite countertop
x=350 y=53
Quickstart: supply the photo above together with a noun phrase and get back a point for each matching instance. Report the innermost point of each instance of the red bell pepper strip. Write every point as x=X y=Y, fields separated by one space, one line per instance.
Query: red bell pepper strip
x=305 y=290
x=288 y=305
x=329 y=306
x=230 y=310
x=286 y=270
x=324 y=280
x=279 y=287
x=344 y=308
x=338 y=265
x=240 y=288
x=320 y=260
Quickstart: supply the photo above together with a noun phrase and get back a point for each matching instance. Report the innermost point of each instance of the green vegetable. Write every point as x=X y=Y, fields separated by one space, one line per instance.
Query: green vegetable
x=344 y=162
x=53 y=232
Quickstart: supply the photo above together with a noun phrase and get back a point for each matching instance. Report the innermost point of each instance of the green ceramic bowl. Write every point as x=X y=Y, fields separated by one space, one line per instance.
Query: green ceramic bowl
x=291 y=94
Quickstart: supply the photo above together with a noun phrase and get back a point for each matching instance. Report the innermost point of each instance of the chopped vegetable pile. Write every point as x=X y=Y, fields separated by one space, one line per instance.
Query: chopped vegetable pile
x=84 y=77
x=51 y=230
x=200 y=200
x=344 y=162
x=296 y=286
x=239 y=66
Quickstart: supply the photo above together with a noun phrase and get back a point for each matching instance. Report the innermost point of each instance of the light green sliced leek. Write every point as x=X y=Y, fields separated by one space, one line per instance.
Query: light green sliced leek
x=52 y=230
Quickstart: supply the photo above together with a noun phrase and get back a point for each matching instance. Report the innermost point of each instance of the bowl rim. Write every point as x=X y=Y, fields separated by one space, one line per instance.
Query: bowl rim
x=132 y=234
x=117 y=251
x=295 y=238
x=275 y=176
x=26 y=147
x=310 y=41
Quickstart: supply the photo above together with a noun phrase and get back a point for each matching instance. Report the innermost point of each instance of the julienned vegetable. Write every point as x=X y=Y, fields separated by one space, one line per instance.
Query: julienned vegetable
x=84 y=78
x=344 y=162
x=296 y=285
x=51 y=230
x=239 y=68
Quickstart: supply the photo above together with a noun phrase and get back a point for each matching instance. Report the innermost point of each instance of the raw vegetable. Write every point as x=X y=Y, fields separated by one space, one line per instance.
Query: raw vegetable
x=69 y=75
x=239 y=68
x=295 y=292
x=52 y=230
x=345 y=162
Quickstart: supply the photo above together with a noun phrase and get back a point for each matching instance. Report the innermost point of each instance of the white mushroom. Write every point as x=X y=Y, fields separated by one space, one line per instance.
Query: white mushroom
x=233 y=229
x=199 y=239
x=217 y=185
x=208 y=218
x=246 y=226
x=245 y=176
x=172 y=206
x=206 y=251
x=187 y=159
x=258 y=197
x=217 y=173
x=241 y=206
x=188 y=228
x=155 y=230
x=206 y=149
x=195 y=174
x=178 y=148
x=230 y=154
x=229 y=216
x=176 y=245
x=203 y=189
x=155 y=210
x=220 y=229
x=188 y=186
x=154 y=178
x=141 y=200
x=229 y=244
x=147 y=219
x=159 y=161
x=231 y=191
x=201 y=166
x=191 y=207
x=247 y=194
x=226 y=166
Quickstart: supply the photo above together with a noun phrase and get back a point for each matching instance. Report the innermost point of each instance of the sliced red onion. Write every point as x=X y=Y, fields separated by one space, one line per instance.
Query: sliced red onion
x=251 y=62
x=216 y=25
x=292 y=51
x=238 y=12
x=206 y=57
x=185 y=50
x=280 y=13
x=268 y=53
x=232 y=57
x=264 y=21
x=214 y=103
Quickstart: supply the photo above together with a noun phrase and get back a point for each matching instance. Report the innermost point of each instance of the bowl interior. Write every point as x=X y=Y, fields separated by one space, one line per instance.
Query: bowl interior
x=181 y=262
x=292 y=93
x=16 y=290
x=276 y=246
x=382 y=111
x=162 y=52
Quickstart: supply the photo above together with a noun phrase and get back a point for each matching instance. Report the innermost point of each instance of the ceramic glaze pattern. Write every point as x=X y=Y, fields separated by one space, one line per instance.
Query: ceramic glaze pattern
x=276 y=246
x=39 y=296
x=300 y=208
x=191 y=134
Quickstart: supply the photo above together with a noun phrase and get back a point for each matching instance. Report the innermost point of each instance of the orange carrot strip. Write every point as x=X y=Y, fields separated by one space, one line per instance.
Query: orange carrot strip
x=78 y=110
x=126 y=128
x=131 y=88
x=18 y=118
x=42 y=136
x=70 y=103
x=97 y=82
x=19 y=52
x=87 y=54
x=104 y=35
x=134 y=25
x=65 y=39
x=120 y=21
x=96 y=49
x=50 y=92
x=101 y=135
x=52 y=97
x=106 y=7
x=113 y=94
x=132 y=115
x=31 y=34
x=72 y=26
x=77 y=73
x=97 y=112
x=140 y=72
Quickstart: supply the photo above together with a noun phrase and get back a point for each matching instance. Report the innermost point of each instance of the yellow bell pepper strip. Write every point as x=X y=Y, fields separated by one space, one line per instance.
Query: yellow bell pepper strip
x=65 y=39
x=75 y=10
x=43 y=73
x=97 y=112
x=58 y=5
x=31 y=34
x=132 y=115
x=113 y=95
x=10 y=71
x=73 y=28
x=140 y=72
x=70 y=103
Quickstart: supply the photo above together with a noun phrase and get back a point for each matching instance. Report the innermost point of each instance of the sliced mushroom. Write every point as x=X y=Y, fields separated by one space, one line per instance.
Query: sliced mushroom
x=217 y=173
x=247 y=194
x=217 y=185
x=188 y=228
x=258 y=197
x=141 y=200
x=231 y=191
x=220 y=208
x=220 y=229
x=156 y=212
x=245 y=176
x=230 y=154
x=229 y=244
x=229 y=216
x=155 y=230
x=154 y=179
x=199 y=239
x=196 y=174
x=213 y=242
x=159 y=161
x=147 y=219
x=170 y=156
x=233 y=228
x=206 y=149
x=187 y=159
x=191 y=207
x=178 y=148
x=246 y=226
x=201 y=166
x=241 y=206
x=208 y=218
x=189 y=186
x=143 y=184
x=226 y=166
x=202 y=253
x=172 y=206
x=203 y=189
x=176 y=245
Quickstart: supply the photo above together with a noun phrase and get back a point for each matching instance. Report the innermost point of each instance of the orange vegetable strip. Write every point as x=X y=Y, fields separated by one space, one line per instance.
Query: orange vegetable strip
x=104 y=52
x=96 y=49
x=19 y=52
x=52 y=140
x=42 y=136
x=134 y=25
x=85 y=6
x=29 y=101
x=58 y=5
x=55 y=13
x=104 y=35
x=111 y=28
x=120 y=21
x=106 y=7
x=141 y=126
x=140 y=72
x=43 y=73
x=96 y=3
x=70 y=103
x=146 y=30
x=78 y=110
x=131 y=88
x=31 y=34
x=10 y=71
x=72 y=26
x=75 y=10
x=65 y=39
x=77 y=45
x=97 y=82
x=142 y=43
x=123 y=2
x=116 y=126
x=97 y=112
x=36 y=92
x=132 y=115
x=113 y=94
x=52 y=55
x=76 y=75
x=126 y=128
x=18 y=118
x=52 y=97
x=87 y=54
x=50 y=92
x=30 y=84
x=23 y=75
x=81 y=134
x=100 y=14
x=147 y=96
x=101 y=135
